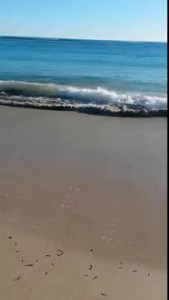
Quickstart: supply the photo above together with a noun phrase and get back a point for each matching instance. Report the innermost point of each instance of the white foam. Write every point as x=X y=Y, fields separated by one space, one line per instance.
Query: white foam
x=84 y=95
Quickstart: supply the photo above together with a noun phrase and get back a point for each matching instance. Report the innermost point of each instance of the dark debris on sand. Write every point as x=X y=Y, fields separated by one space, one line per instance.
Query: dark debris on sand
x=104 y=294
x=59 y=252
x=18 y=278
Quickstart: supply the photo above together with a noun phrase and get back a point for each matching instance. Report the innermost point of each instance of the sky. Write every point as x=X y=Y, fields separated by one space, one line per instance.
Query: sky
x=136 y=20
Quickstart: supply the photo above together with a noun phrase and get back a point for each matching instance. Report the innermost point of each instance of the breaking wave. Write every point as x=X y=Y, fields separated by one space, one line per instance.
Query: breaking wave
x=53 y=95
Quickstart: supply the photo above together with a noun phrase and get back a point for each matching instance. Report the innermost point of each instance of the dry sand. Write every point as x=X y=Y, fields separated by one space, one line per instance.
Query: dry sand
x=92 y=187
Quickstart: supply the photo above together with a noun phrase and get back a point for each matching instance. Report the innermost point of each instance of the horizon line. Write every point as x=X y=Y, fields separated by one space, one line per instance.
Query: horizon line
x=81 y=39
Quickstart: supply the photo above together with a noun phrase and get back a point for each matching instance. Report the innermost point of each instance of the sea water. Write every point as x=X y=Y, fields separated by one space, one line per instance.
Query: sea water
x=84 y=72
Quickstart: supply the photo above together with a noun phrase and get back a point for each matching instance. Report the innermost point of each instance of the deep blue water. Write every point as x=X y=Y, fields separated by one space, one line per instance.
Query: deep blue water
x=84 y=70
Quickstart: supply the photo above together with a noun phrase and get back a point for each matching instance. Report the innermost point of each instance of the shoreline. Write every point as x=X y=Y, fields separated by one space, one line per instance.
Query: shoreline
x=123 y=111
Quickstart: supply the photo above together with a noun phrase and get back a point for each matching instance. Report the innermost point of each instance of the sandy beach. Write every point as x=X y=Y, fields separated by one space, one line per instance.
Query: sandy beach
x=83 y=206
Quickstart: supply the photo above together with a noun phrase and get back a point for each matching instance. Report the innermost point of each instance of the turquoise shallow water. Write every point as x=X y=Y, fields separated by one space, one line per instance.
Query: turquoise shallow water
x=83 y=71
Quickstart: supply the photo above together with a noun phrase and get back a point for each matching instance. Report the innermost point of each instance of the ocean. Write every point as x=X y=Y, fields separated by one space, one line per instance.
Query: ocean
x=73 y=74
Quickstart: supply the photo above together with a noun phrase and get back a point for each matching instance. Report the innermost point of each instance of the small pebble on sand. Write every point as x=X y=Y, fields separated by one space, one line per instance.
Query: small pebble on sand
x=129 y=242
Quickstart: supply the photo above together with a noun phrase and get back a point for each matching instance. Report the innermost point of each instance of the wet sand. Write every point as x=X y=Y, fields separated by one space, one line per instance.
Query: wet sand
x=92 y=187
